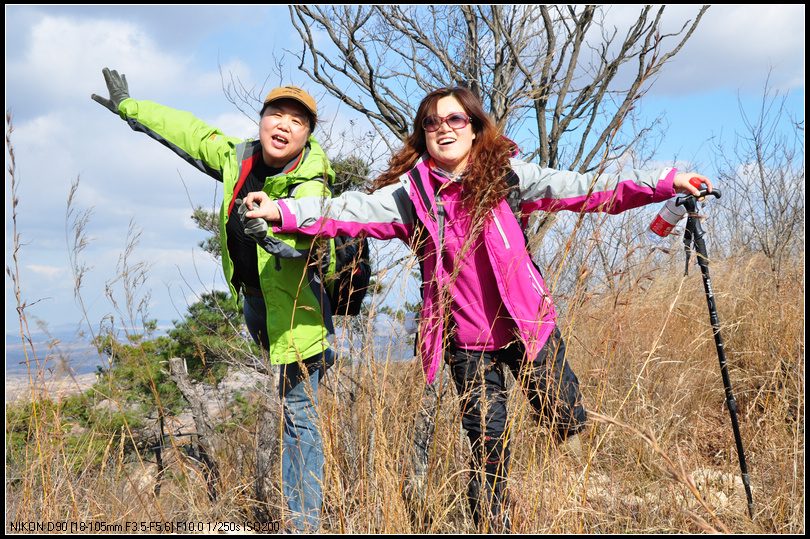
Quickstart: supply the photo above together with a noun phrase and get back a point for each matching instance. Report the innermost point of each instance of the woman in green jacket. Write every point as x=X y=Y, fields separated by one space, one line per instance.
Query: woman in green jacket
x=286 y=310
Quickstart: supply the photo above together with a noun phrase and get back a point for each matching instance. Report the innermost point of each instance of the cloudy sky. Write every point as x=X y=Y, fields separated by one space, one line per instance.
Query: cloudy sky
x=174 y=55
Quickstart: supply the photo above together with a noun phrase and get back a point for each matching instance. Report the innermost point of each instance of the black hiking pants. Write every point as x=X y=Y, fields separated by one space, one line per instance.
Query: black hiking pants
x=553 y=391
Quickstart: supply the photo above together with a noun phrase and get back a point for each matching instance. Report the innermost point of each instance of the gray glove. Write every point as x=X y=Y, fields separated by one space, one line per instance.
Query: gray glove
x=255 y=228
x=118 y=88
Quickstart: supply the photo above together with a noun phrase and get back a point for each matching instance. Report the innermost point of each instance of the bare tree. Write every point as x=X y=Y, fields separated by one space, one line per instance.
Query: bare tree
x=763 y=175
x=556 y=68
x=559 y=71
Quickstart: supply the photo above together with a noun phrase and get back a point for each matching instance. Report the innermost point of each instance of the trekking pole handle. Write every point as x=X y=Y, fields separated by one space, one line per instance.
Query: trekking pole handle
x=688 y=199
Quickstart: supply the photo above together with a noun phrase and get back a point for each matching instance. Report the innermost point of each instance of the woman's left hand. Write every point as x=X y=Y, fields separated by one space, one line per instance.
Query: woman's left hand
x=261 y=207
x=682 y=184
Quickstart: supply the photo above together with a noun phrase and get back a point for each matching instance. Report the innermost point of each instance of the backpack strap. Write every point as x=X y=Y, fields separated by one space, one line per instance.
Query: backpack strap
x=513 y=195
x=245 y=166
x=513 y=199
x=436 y=209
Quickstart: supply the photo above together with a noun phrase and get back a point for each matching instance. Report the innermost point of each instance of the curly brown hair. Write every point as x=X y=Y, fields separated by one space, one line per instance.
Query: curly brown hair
x=483 y=182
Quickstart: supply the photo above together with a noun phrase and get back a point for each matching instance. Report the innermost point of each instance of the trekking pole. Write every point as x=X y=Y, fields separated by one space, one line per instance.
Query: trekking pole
x=693 y=238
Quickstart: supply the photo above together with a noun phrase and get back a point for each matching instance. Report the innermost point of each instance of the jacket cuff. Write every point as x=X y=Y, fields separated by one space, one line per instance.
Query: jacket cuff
x=288 y=222
x=125 y=108
x=665 y=188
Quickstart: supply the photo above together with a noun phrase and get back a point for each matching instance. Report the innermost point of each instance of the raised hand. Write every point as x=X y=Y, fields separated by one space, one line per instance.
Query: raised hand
x=118 y=88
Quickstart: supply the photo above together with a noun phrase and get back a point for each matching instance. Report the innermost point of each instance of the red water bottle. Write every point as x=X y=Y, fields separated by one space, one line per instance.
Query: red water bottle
x=669 y=216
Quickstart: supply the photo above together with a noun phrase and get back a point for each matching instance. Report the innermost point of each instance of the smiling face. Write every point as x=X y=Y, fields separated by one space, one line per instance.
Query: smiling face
x=283 y=131
x=450 y=148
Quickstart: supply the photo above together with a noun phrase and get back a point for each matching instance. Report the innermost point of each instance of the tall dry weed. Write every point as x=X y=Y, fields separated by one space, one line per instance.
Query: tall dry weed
x=649 y=360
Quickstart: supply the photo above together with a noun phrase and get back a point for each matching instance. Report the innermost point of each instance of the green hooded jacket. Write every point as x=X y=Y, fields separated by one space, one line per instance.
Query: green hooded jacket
x=296 y=327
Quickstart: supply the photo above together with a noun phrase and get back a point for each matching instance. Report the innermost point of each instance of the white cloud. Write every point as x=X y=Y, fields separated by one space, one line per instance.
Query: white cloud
x=49 y=272
x=732 y=48
x=735 y=46
x=237 y=124
x=67 y=53
x=54 y=63
x=63 y=61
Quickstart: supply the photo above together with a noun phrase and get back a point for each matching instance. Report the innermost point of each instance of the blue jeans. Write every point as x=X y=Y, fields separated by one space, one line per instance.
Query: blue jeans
x=302 y=451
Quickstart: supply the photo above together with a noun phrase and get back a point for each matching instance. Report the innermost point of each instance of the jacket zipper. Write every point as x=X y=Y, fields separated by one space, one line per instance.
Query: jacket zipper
x=500 y=230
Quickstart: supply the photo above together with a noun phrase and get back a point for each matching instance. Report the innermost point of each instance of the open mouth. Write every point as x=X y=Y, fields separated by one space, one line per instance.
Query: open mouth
x=279 y=139
x=446 y=141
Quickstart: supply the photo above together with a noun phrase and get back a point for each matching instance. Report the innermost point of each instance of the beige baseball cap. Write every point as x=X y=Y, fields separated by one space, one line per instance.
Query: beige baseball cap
x=293 y=92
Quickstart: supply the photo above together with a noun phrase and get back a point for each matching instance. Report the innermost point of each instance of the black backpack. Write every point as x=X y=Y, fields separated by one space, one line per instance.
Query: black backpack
x=347 y=286
x=352 y=275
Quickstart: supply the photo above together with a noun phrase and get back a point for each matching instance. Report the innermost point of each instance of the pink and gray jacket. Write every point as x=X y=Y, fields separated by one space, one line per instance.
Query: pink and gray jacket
x=398 y=211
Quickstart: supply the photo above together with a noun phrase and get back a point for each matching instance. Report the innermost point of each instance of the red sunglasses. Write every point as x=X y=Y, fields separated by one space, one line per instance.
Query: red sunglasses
x=457 y=120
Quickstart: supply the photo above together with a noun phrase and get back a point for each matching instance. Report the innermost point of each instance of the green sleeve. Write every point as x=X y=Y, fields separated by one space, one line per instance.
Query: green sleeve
x=205 y=147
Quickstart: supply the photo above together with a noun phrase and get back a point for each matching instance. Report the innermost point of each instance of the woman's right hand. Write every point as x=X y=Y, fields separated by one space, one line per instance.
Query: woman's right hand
x=267 y=209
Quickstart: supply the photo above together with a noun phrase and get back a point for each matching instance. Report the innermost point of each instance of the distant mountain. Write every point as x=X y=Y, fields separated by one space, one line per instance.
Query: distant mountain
x=67 y=350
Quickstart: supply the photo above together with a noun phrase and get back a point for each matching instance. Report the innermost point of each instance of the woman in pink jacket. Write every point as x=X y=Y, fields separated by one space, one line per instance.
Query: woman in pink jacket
x=485 y=304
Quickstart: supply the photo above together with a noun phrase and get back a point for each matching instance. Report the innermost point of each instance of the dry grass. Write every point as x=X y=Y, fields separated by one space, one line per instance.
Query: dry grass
x=660 y=451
